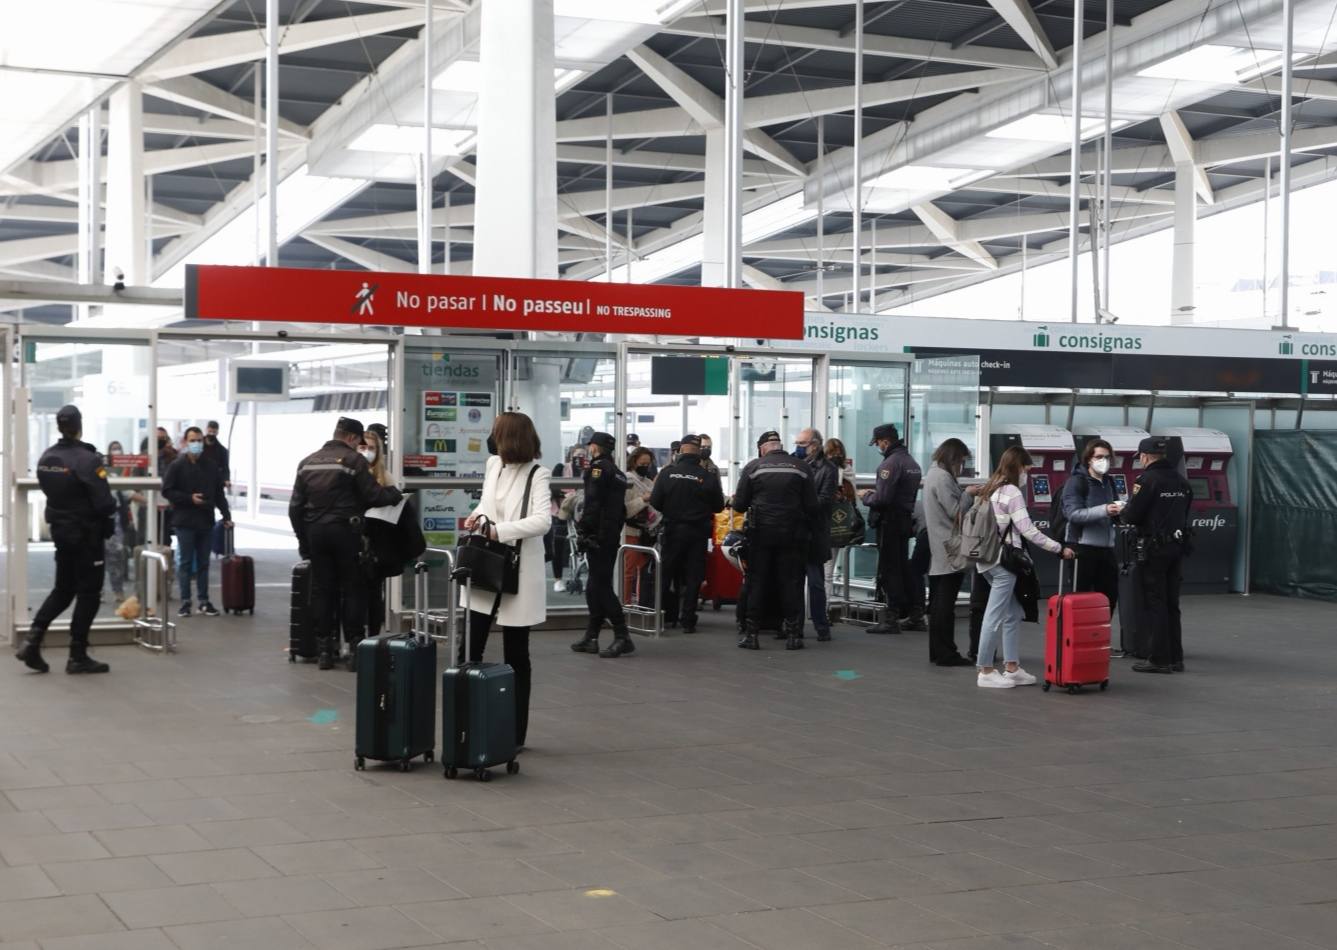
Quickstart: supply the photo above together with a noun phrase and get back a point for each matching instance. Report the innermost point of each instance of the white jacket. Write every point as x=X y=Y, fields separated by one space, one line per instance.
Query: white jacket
x=503 y=493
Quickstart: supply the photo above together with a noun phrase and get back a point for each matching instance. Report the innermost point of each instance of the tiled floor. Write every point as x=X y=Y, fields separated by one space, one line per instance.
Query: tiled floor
x=693 y=795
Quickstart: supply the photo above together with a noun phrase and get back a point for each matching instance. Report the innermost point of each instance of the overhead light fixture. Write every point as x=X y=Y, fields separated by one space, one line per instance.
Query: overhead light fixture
x=466 y=75
x=1219 y=65
x=1044 y=127
x=650 y=12
x=401 y=139
x=926 y=178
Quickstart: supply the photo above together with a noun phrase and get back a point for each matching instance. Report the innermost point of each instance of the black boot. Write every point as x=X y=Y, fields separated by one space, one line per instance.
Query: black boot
x=326 y=657
x=793 y=636
x=621 y=645
x=30 y=652
x=81 y=662
x=350 y=660
x=590 y=642
x=914 y=622
x=888 y=624
x=748 y=641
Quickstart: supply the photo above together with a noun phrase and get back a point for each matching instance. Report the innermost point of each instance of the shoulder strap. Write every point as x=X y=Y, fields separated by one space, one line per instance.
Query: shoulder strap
x=529 y=484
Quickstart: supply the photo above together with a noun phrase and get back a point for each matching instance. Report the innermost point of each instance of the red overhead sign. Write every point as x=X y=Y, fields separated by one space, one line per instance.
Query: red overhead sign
x=365 y=298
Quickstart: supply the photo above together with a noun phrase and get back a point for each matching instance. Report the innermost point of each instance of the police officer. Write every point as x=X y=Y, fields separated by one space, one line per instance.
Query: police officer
x=599 y=532
x=687 y=496
x=892 y=500
x=776 y=492
x=334 y=488
x=1160 y=509
x=80 y=509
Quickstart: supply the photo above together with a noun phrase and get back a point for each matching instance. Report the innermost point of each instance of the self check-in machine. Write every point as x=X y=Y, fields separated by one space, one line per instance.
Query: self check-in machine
x=1206 y=463
x=1124 y=467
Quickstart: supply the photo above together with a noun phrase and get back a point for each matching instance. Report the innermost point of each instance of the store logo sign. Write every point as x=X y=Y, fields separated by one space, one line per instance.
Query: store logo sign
x=1100 y=342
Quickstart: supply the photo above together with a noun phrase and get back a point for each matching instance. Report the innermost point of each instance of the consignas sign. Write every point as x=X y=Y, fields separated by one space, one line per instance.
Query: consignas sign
x=365 y=298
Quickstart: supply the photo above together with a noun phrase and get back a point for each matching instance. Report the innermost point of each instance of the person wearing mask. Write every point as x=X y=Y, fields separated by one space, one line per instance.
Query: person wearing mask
x=1090 y=503
x=333 y=489
x=1160 y=510
x=845 y=491
x=194 y=486
x=122 y=542
x=688 y=496
x=643 y=524
x=809 y=449
x=599 y=531
x=776 y=492
x=1002 y=618
x=945 y=502
x=80 y=510
x=514 y=450
x=217 y=453
x=892 y=502
x=707 y=447
x=568 y=502
x=387 y=546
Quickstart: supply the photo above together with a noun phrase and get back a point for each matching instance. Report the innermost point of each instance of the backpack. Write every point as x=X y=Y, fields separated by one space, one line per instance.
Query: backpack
x=1058 y=522
x=980 y=542
x=847 y=525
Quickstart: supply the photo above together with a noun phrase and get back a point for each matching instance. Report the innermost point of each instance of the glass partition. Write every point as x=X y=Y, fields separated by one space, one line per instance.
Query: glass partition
x=773 y=394
x=660 y=419
x=945 y=399
x=862 y=396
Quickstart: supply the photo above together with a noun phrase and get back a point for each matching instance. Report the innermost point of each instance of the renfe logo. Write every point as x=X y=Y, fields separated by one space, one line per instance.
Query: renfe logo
x=1211 y=524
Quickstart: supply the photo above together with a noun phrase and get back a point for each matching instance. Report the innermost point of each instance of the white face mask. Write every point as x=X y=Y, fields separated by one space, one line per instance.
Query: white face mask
x=368 y=454
x=1100 y=466
x=1021 y=482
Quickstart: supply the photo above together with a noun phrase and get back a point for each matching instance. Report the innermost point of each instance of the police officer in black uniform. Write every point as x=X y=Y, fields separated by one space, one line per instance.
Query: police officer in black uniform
x=1159 y=508
x=599 y=533
x=80 y=509
x=776 y=492
x=687 y=496
x=334 y=488
x=893 y=502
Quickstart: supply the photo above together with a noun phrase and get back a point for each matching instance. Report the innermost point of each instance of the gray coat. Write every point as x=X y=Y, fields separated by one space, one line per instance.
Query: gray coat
x=944 y=501
x=1084 y=501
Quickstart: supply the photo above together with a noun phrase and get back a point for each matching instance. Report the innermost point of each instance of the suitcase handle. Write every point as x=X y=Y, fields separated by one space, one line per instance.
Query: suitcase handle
x=1061 y=561
x=420 y=626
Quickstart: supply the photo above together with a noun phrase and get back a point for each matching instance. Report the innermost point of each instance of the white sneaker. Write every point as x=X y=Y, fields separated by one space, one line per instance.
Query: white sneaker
x=994 y=680
x=1020 y=677
x=559 y=586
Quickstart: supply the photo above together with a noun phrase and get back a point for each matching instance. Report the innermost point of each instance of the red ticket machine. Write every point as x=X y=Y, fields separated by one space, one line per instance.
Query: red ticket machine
x=1052 y=448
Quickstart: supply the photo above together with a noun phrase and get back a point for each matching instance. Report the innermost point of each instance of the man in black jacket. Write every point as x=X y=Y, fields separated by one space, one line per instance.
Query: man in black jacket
x=79 y=508
x=687 y=496
x=776 y=493
x=599 y=532
x=333 y=490
x=217 y=453
x=893 y=501
x=194 y=486
x=825 y=482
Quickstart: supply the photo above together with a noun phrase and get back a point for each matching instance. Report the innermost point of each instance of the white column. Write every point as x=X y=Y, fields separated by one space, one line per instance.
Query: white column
x=1186 y=214
x=856 y=259
x=1287 y=55
x=515 y=222
x=90 y=201
x=1075 y=159
x=425 y=160
x=714 y=229
x=735 y=66
x=272 y=130
x=126 y=238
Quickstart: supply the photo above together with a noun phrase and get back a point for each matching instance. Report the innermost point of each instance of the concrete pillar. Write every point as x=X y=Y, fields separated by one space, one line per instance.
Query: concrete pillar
x=515 y=222
x=127 y=235
x=714 y=232
x=90 y=202
x=1186 y=214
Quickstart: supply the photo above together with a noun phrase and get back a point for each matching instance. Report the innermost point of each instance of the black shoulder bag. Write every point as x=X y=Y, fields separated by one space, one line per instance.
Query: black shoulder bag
x=494 y=566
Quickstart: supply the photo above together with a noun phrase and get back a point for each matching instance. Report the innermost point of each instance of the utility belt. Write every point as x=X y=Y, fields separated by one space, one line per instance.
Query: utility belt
x=1149 y=545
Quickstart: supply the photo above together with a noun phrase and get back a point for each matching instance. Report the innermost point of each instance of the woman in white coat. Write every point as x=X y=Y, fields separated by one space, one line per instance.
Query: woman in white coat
x=515 y=450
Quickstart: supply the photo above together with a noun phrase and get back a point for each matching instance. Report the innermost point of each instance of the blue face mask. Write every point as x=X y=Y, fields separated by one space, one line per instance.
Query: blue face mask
x=800 y=450
x=195 y=448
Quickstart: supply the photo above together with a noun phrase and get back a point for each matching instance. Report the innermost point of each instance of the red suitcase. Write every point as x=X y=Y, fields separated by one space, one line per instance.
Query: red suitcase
x=238 y=579
x=1077 y=639
x=723 y=580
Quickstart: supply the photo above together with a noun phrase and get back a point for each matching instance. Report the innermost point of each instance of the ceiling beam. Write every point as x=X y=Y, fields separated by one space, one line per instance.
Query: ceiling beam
x=595 y=201
x=359 y=255
x=63 y=175
x=1185 y=152
x=455 y=216
x=195 y=93
x=1019 y=15
x=995 y=226
x=1305 y=88
x=947 y=231
x=656 y=161
x=161 y=123
x=1039 y=188
x=26 y=250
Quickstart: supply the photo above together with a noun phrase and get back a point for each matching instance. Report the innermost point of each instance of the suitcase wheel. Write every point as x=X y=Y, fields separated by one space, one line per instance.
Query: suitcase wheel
x=512 y=767
x=451 y=772
x=405 y=765
x=1072 y=690
x=292 y=657
x=251 y=611
x=716 y=604
x=429 y=756
x=483 y=775
x=359 y=764
x=1104 y=685
x=1045 y=687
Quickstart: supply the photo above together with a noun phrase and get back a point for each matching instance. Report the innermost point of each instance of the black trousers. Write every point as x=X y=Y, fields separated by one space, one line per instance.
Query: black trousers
x=80 y=572
x=1162 y=575
x=338 y=587
x=979 y=601
x=514 y=653
x=777 y=566
x=599 y=595
x=895 y=576
x=1098 y=573
x=942 y=591
x=375 y=587
x=684 y=559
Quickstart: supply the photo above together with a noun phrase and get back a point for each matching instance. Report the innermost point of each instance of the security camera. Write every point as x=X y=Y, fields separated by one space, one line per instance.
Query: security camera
x=283 y=334
x=119 y=274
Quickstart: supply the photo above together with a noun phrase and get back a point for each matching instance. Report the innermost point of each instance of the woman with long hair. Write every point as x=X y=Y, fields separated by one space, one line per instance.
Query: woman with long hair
x=837 y=456
x=642 y=525
x=944 y=504
x=1004 y=492
x=503 y=514
x=388 y=547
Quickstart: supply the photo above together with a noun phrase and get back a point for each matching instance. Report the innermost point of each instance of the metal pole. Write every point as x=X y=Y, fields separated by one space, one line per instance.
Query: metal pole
x=858 y=156
x=821 y=210
x=872 y=270
x=629 y=244
x=1287 y=54
x=1075 y=164
x=1105 y=216
x=258 y=165
x=445 y=263
x=1024 y=245
x=90 y=201
x=608 y=188
x=272 y=128
x=425 y=160
x=1267 y=220
x=733 y=145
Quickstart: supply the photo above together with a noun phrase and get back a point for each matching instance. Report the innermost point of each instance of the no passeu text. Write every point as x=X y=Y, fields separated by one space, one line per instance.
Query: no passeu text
x=526 y=306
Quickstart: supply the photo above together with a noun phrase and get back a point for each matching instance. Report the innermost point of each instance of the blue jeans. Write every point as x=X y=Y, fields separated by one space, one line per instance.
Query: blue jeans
x=821 y=622
x=193 y=547
x=1002 y=618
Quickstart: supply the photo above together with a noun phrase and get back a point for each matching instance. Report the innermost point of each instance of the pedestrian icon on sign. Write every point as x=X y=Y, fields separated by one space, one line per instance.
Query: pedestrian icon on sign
x=362 y=306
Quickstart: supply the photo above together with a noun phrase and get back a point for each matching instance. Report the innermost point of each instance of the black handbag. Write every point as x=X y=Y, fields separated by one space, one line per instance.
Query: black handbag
x=494 y=566
x=1016 y=560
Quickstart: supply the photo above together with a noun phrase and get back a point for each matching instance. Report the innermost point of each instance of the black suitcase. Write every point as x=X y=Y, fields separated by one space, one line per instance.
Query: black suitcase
x=301 y=622
x=477 y=710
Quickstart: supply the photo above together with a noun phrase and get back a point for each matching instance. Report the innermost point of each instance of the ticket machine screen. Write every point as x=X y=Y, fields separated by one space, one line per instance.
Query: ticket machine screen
x=1040 y=488
x=1120 y=484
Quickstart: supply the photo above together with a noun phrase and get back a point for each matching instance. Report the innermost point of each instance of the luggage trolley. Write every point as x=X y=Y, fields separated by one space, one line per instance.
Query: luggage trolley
x=158 y=633
x=424 y=622
x=654 y=625
x=579 y=566
x=860 y=613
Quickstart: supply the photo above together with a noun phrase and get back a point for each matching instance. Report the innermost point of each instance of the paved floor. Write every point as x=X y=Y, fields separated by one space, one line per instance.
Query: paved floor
x=694 y=795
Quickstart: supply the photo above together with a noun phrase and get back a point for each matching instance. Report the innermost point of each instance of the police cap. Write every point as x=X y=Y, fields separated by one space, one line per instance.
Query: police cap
x=350 y=426
x=771 y=436
x=381 y=431
x=633 y=439
x=1154 y=445
x=69 y=417
x=690 y=439
x=604 y=440
x=885 y=431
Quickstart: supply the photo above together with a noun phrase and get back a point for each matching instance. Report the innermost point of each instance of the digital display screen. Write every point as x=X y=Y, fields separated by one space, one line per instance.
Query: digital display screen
x=1040 y=487
x=259 y=381
x=1202 y=489
x=1120 y=485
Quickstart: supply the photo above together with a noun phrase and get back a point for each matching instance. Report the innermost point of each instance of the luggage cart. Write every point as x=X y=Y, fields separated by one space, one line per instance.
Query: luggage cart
x=433 y=624
x=154 y=633
x=652 y=617
x=859 y=613
x=579 y=566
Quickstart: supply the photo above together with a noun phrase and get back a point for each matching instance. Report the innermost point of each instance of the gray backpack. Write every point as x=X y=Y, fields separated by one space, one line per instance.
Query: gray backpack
x=979 y=541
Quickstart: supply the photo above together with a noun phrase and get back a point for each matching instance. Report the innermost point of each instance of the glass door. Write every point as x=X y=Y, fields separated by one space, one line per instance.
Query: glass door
x=944 y=404
x=860 y=397
x=774 y=393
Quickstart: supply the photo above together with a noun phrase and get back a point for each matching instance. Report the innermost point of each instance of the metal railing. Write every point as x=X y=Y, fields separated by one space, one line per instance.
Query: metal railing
x=653 y=614
x=857 y=612
x=154 y=633
x=426 y=623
